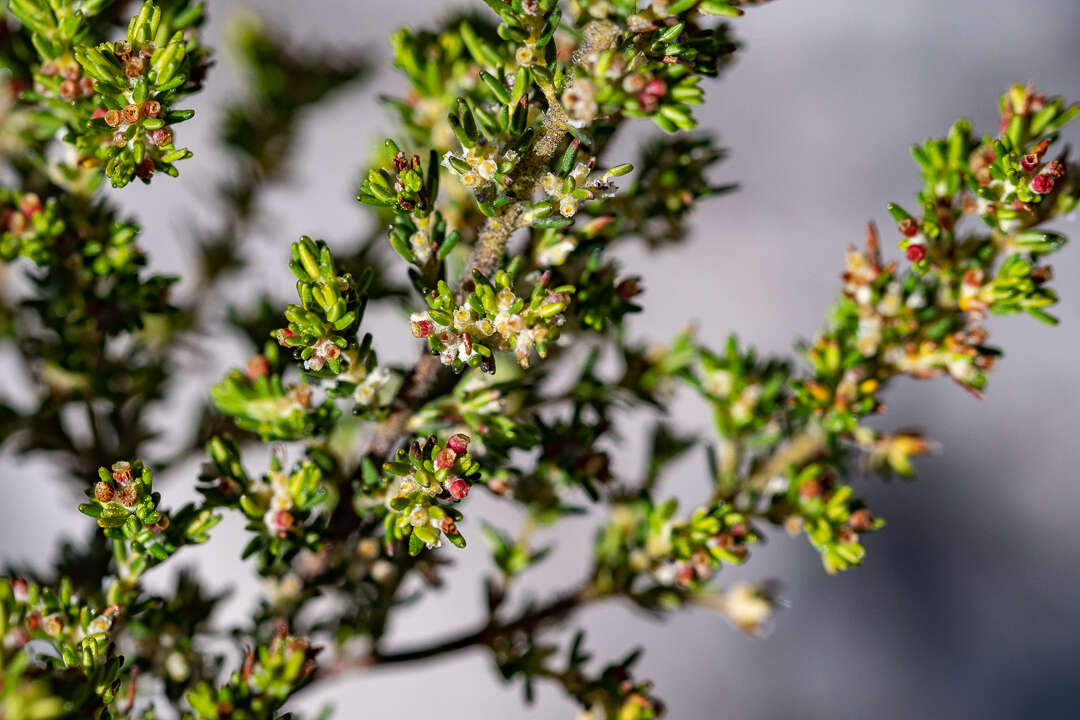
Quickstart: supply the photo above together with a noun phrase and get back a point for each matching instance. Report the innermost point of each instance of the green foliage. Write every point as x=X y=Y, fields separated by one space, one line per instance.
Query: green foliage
x=503 y=215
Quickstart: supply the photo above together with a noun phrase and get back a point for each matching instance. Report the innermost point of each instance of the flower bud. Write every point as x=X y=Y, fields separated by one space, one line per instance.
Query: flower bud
x=69 y=90
x=52 y=625
x=30 y=204
x=128 y=495
x=810 y=489
x=458 y=442
x=112 y=118
x=20 y=587
x=861 y=520
x=908 y=227
x=280 y=521
x=130 y=114
x=121 y=471
x=458 y=489
x=445 y=458
x=133 y=68
x=448 y=526
x=145 y=169
x=1042 y=184
x=161 y=136
x=257 y=367
x=915 y=252
x=104 y=492
x=151 y=108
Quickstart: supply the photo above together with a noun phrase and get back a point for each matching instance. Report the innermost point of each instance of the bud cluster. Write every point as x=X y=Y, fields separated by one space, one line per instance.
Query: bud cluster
x=828 y=512
x=643 y=538
x=84 y=676
x=269 y=674
x=425 y=481
x=492 y=318
x=332 y=306
x=120 y=112
x=283 y=509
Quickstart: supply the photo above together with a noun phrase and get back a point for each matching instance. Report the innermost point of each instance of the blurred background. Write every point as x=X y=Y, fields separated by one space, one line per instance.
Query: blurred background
x=967 y=603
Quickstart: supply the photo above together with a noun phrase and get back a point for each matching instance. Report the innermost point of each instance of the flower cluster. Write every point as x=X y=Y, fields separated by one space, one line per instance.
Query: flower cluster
x=121 y=112
x=426 y=481
x=832 y=517
x=83 y=678
x=30 y=228
x=655 y=70
x=124 y=504
x=682 y=554
x=281 y=508
x=492 y=318
x=268 y=676
x=566 y=193
x=332 y=305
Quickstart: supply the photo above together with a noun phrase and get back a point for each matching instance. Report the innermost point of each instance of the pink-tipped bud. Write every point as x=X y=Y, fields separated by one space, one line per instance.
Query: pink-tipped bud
x=445 y=458
x=422 y=328
x=20 y=587
x=284 y=335
x=656 y=87
x=98 y=114
x=459 y=443
x=1042 y=184
x=916 y=253
x=281 y=521
x=30 y=204
x=908 y=227
x=1029 y=162
x=161 y=136
x=257 y=366
x=459 y=489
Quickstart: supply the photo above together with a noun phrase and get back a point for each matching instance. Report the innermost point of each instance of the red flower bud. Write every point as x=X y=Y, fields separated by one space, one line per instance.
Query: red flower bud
x=284 y=334
x=915 y=252
x=458 y=489
x=282 y=520
x=1029 y=162
x=908 y=227
x=145 y=169
x=1042 y=184
x=21 y=588
x=861 y=520
x=30 y=204
x=445 y=458
x=656 y=87
x=459 y=443
x=422 y=328
x=97 y=114
x=257 y=366
x=161 y=136
x=69 y=90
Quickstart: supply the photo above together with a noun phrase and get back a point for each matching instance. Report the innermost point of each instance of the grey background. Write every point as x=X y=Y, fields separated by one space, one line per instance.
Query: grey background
x=967 y=603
